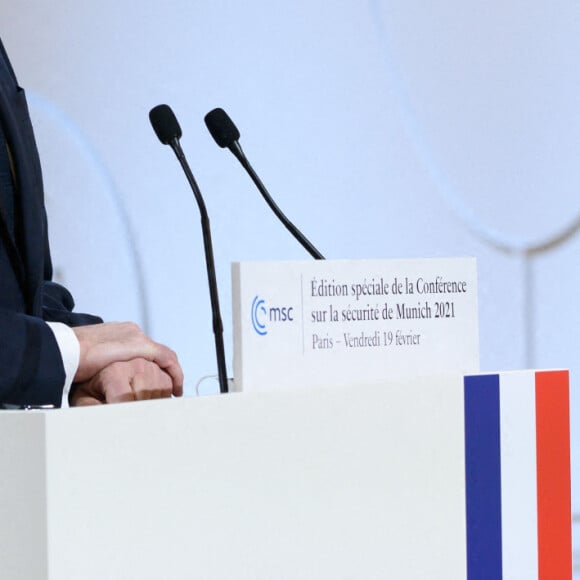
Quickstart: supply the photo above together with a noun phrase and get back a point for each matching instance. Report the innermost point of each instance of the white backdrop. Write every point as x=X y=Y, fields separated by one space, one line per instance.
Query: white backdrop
x=384 y=128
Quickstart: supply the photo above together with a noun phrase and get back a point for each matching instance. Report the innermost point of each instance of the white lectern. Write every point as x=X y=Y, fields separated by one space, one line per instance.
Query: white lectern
x=439 y=478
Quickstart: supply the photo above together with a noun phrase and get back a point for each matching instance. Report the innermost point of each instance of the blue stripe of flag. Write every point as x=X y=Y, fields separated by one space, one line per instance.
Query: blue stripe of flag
x=483 y=477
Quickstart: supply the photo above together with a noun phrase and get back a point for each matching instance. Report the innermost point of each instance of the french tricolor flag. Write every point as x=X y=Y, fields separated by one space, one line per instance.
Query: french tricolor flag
x=517 y=468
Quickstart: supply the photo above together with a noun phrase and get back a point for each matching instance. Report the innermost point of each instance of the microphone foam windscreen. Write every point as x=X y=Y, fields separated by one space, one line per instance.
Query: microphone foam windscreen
x=164 y=124
x=222 y=128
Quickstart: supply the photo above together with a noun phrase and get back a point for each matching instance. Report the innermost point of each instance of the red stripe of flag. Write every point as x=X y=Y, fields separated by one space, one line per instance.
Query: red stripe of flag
x=553 y=465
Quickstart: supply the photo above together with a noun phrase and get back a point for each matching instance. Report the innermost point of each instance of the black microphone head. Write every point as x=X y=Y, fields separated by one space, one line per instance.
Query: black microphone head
x=222 y=128
x=165 y=124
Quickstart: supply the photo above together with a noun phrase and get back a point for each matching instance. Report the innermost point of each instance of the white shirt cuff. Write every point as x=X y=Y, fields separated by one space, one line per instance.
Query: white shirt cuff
x=70 y=352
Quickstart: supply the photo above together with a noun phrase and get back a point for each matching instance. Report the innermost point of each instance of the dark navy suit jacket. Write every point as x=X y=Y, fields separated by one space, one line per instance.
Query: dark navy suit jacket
x=31 y=368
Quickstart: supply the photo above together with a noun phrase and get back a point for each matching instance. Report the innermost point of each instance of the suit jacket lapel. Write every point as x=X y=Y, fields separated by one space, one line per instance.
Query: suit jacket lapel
x=7 y=201
x=29 y=198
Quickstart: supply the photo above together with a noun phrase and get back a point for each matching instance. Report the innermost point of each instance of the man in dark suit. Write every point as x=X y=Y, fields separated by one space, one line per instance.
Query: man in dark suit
x=45 y=347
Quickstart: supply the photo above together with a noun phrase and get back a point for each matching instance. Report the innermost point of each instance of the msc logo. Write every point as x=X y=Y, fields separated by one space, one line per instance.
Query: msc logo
x=263 y=317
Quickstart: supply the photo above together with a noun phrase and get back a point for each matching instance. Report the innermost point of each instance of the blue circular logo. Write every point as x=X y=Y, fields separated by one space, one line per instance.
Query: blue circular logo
x=258 y=314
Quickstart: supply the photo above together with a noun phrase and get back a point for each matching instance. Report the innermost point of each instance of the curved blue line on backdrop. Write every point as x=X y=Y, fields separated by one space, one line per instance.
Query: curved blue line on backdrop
x=51 y=111
x=500 y=241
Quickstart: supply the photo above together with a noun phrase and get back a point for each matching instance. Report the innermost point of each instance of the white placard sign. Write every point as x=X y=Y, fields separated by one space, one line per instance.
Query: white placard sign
x=333 y=322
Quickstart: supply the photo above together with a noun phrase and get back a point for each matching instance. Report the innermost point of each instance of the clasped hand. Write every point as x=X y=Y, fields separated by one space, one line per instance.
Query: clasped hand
x=118 y=363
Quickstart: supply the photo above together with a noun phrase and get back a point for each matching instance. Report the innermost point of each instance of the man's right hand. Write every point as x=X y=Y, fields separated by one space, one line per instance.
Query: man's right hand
x=111 y=342
x=135 y=380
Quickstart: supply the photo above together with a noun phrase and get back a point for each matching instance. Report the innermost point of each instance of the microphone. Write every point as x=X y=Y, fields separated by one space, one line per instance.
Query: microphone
x=168 y=131
x=226 y=134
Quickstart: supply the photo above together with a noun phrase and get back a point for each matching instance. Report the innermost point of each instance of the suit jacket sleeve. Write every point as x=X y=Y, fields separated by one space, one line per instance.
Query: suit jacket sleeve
x=31 y=366
x=32 y=369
